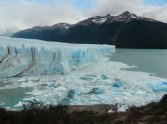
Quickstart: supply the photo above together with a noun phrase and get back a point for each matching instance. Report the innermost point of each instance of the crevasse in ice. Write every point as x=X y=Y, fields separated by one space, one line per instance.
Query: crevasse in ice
x=19 y=57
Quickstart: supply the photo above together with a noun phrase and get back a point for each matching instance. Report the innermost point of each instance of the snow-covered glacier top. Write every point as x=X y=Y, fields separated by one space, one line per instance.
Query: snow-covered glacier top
x=19 y=57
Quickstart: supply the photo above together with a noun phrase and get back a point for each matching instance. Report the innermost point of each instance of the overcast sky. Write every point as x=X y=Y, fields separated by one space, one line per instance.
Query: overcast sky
x=23 y=14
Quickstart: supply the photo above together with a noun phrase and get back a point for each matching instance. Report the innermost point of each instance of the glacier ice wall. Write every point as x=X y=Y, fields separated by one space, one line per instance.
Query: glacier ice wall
x=19 y=57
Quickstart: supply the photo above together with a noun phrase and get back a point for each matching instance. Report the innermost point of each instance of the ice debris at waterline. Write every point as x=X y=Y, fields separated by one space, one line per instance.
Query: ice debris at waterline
x=117 y=83
x=72 y=93
x=97 y=91
x=71 y=89
x=20 y=57
x=160 y=86
x=104 y=77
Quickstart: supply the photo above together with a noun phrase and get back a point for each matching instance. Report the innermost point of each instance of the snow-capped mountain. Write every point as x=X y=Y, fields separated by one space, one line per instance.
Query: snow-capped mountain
x=124 y=17
x=97 y=20
x=126 y=30
x=61 y=25
x=56 y=26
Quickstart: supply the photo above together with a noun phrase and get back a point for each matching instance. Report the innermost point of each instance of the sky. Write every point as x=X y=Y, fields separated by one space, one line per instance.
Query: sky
x=22 y=14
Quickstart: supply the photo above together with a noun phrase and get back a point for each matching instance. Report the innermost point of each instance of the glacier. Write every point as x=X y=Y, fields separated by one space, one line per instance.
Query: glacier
x=20 y=57
x=61 y=73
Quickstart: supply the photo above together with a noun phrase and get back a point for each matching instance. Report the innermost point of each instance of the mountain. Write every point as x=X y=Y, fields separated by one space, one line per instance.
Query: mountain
x=126 y=30
x=7 y=32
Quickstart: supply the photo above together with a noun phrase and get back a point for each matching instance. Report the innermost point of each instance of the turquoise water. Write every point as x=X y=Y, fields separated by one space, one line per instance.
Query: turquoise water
x=147 y=60
x=11 y=96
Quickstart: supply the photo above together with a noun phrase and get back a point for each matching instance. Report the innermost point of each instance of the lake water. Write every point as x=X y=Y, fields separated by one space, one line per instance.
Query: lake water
x=147 y=60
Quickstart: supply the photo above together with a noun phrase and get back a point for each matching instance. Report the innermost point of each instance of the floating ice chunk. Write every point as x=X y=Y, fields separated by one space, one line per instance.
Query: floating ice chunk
x=72 y=93
x=86 y=78
x=122 y=109
x=53 y=84
x=161 y=87
x=110 y=111
x=2 y=104
x=141 y=92
x=97 y=91
x=24 y=79
x=104 y=77
x=27 y=84
x=117 y=83
x=19 y=104
x=64 y=102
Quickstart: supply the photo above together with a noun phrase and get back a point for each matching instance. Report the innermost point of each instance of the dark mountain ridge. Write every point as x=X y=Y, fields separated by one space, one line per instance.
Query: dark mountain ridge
x=126 y=30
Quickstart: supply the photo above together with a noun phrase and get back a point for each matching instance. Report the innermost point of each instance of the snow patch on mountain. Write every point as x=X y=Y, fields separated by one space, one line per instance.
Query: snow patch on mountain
x=99 y=21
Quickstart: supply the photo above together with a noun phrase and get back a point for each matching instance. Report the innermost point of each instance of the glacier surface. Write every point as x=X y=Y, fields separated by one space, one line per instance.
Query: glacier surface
x=20 y=57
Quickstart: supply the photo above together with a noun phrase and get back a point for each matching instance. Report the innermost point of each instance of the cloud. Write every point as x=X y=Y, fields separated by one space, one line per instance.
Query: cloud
x=28 y=13
x=24 y=14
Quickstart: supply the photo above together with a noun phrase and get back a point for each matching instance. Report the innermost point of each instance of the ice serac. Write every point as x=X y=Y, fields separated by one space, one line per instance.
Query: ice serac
x=19 y=57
